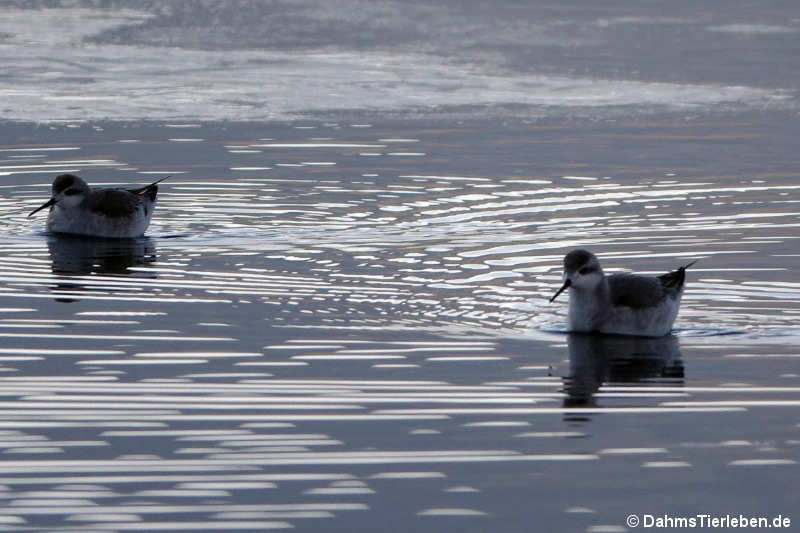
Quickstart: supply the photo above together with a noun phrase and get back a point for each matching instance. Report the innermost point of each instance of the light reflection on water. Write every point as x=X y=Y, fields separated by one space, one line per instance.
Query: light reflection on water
x=329 y=318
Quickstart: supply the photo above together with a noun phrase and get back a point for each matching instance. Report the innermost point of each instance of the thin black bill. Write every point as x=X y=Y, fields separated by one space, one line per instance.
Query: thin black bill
x=565 y=286
x=48 y=203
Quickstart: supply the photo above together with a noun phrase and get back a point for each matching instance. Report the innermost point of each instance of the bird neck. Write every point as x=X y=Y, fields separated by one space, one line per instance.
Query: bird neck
x=588 y=307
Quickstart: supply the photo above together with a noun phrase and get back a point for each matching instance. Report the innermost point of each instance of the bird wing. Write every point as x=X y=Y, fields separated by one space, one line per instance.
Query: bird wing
x=113 y=203
x=635 y=291
x=645 y=291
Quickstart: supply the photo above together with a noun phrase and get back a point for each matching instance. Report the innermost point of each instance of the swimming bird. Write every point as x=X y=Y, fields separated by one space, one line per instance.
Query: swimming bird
x=624 y=304
x=77 y=208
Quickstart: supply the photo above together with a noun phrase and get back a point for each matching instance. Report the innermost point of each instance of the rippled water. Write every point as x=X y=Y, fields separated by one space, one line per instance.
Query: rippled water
x=344 y=326
x=339 y=318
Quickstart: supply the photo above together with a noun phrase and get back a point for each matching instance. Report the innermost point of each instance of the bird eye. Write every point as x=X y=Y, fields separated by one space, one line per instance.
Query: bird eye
x=71 y=192
x=585 y=270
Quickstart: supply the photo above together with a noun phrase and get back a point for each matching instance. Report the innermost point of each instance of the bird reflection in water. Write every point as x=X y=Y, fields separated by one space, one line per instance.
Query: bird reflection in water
x=76 y=256
x=597 y=360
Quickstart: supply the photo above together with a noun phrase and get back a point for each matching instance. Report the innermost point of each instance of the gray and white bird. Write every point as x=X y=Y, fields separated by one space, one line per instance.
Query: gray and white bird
x=623 y=304
x=78 y=209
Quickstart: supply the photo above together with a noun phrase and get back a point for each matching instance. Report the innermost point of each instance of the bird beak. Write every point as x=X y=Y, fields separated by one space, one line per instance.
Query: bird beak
x=48 y=203
x=567 y=283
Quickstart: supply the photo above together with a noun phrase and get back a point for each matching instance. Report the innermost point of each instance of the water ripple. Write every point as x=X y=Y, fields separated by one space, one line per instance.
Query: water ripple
x=307 y=329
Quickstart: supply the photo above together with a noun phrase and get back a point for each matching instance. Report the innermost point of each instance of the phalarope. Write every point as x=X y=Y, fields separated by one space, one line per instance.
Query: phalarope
x=624 y=304
x=76 y=208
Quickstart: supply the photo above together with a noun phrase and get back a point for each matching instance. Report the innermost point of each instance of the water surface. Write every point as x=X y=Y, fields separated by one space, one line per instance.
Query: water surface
x=346 y=326
x=338 y=319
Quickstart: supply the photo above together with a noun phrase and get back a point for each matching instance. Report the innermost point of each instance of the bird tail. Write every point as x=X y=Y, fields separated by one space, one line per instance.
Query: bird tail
x=675 y=279
x=149 y=190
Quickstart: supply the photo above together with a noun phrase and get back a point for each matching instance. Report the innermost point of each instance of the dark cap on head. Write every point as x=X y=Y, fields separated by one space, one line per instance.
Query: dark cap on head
x=576 y=259
x=63 y=182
